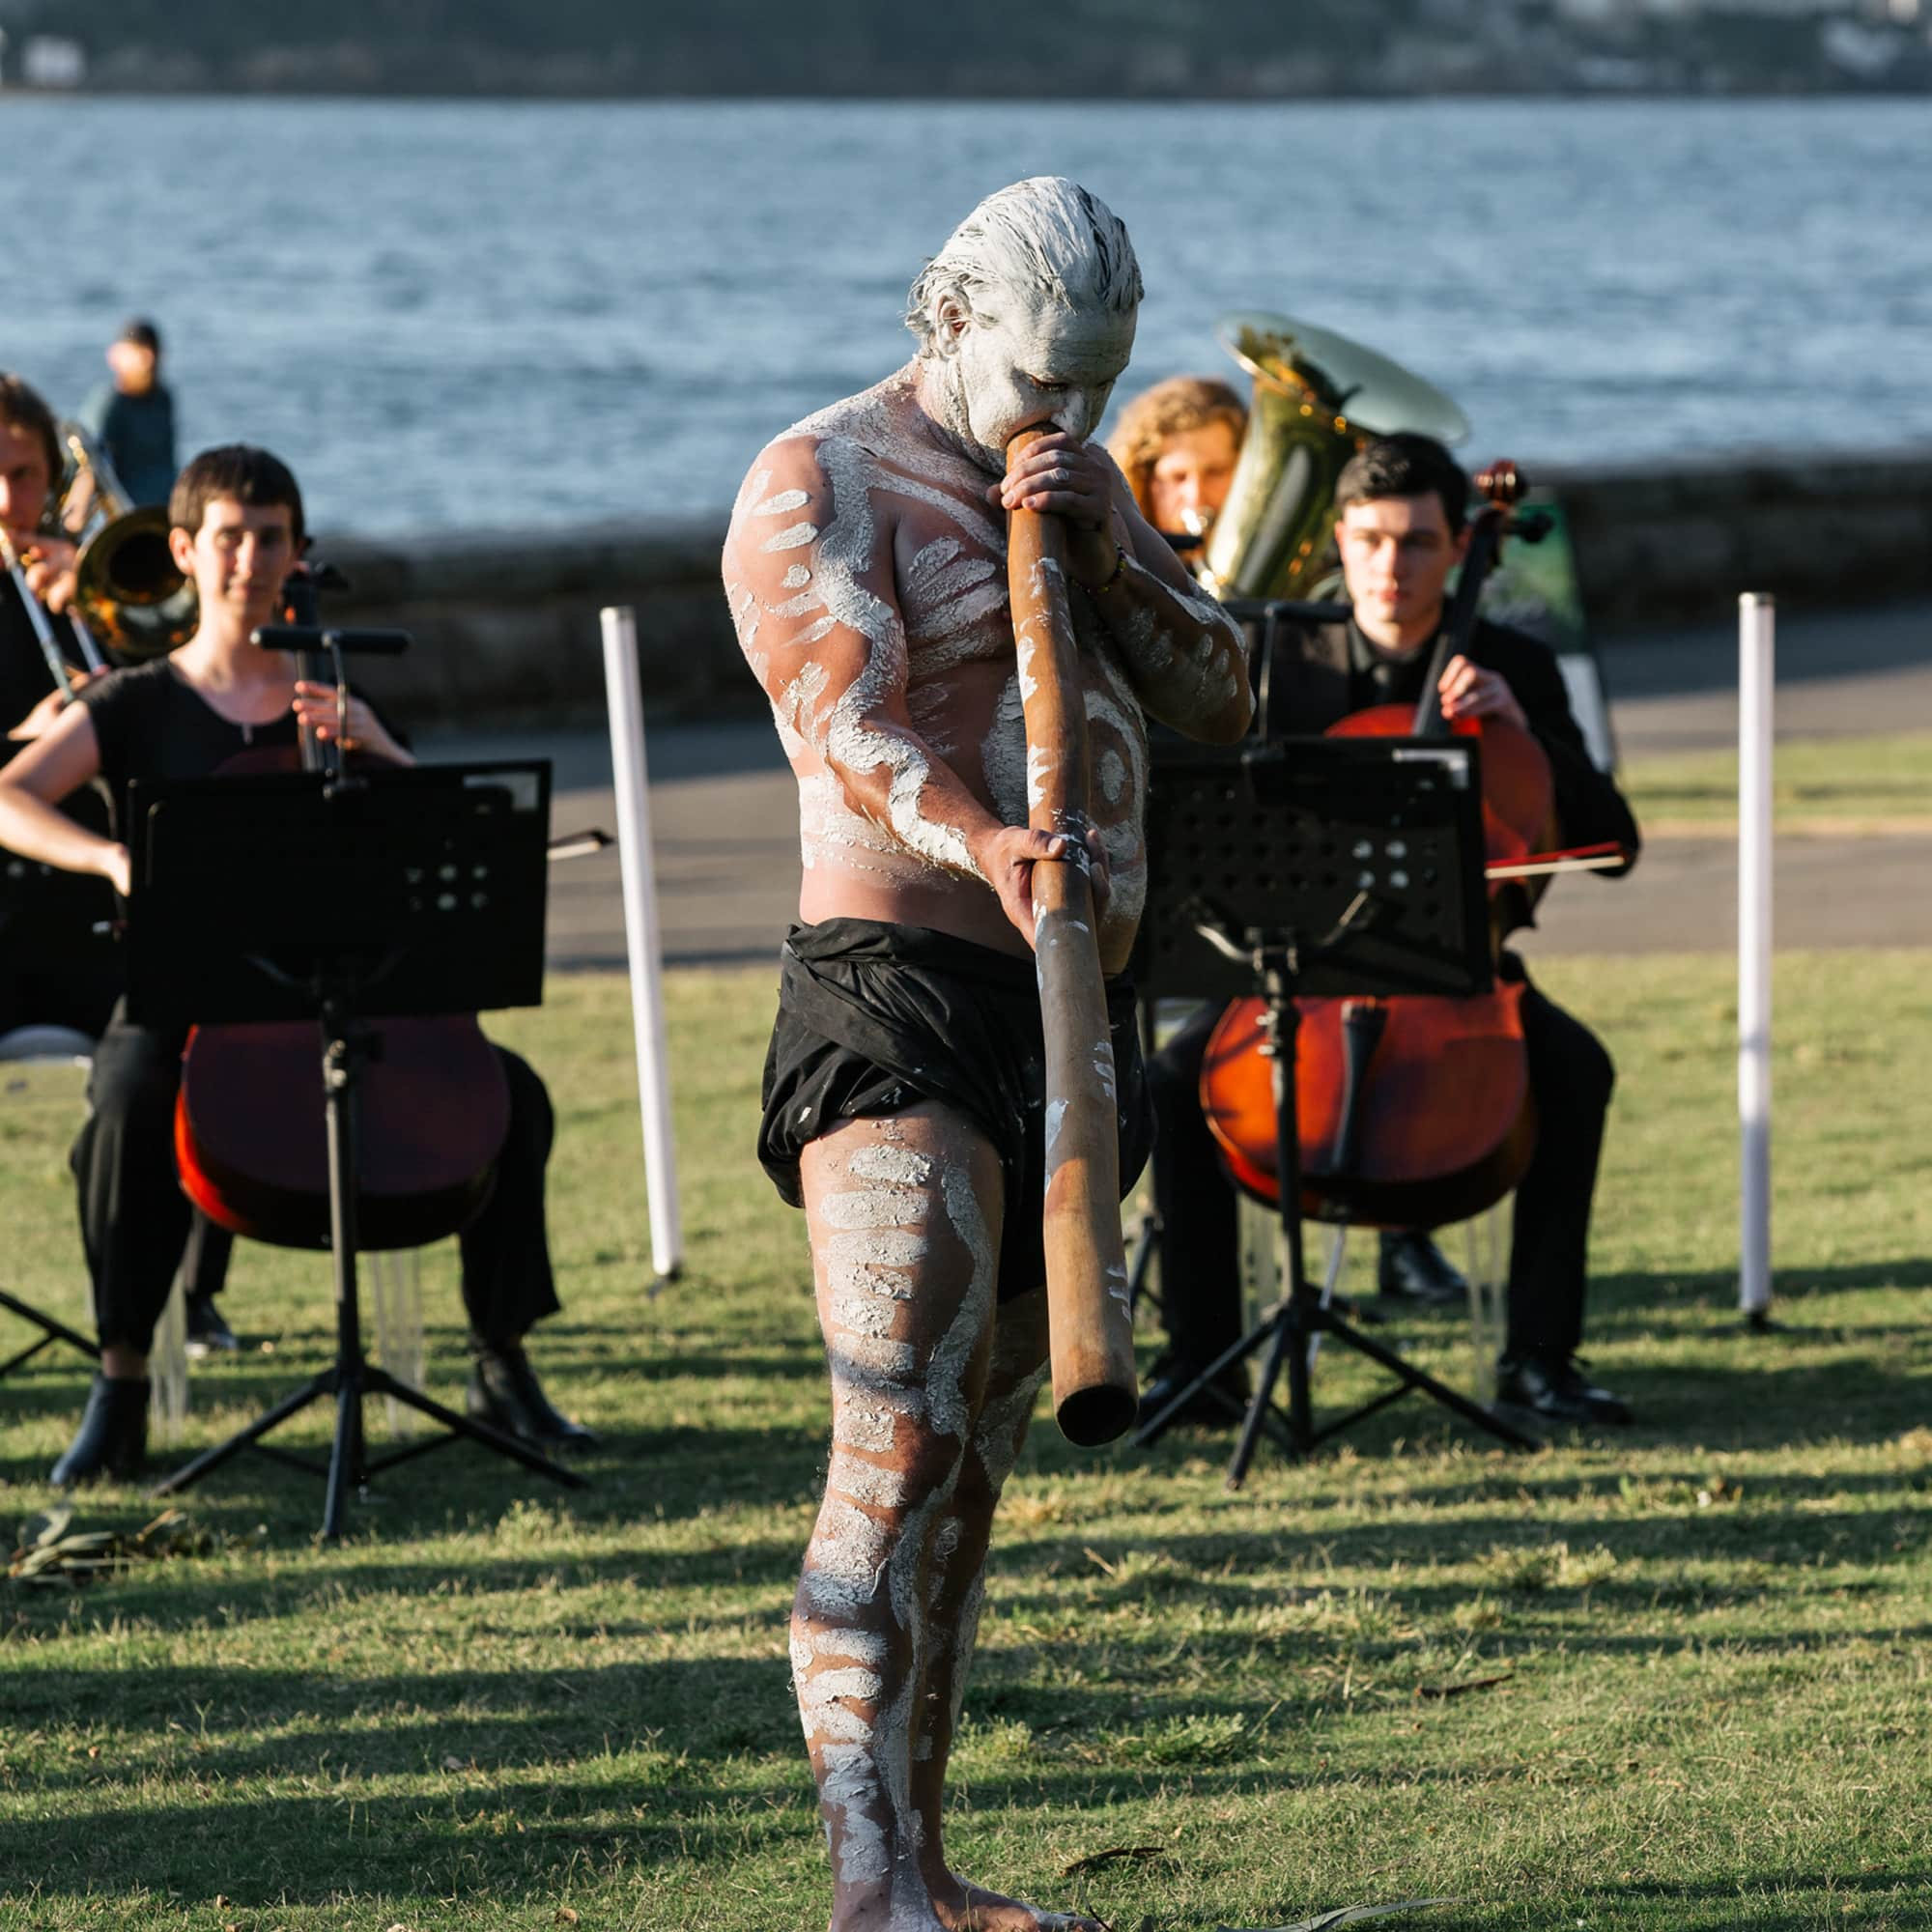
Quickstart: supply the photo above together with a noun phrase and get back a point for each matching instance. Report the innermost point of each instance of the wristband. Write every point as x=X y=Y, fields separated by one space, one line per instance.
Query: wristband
x=1112 y=576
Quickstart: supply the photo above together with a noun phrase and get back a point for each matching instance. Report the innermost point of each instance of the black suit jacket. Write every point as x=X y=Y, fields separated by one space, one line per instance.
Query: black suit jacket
x=1310 y=680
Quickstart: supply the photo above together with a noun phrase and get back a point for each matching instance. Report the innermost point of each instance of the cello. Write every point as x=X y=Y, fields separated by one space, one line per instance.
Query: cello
x=1413 y=1110
x=250 y=1138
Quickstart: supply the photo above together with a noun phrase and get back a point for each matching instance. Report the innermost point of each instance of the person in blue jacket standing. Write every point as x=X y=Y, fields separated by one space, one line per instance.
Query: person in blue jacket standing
x=132 y=417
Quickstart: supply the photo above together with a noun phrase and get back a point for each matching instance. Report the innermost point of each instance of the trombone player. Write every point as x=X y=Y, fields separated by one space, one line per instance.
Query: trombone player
x=54 y=971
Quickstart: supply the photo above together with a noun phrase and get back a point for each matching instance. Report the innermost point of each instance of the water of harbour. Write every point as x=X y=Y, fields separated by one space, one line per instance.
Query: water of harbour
x=450 y=315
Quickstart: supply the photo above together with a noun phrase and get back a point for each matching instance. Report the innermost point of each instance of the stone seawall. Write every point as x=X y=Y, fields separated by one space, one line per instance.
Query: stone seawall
x=506 y=623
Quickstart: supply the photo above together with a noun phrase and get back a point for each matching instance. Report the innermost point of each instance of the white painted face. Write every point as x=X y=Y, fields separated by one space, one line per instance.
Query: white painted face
x=1043 y=365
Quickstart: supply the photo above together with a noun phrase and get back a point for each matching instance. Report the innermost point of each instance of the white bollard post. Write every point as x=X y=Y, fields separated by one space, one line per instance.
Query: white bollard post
x=1756 y=634
x=640 y=933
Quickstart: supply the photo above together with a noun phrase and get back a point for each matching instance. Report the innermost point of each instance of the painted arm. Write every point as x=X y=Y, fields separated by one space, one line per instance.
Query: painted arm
x=57 y=764
x=808 y=576
x=1185 y=658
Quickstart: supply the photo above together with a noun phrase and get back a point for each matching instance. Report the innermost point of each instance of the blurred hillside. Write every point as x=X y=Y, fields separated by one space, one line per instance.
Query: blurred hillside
x=1259 y=48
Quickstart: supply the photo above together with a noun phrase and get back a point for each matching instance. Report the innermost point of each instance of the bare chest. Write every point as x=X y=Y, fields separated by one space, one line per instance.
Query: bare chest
x=950 y=573
x=953 y=599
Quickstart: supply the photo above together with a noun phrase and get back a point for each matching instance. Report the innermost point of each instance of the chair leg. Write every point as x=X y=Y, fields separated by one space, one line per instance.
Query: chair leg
x=1487 y=1250
x=168 y=1369
x=395 y=1280
x=1331 y=1275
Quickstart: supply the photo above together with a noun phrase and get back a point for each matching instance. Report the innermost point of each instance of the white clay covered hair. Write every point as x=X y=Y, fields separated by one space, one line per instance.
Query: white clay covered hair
x=1046 y=239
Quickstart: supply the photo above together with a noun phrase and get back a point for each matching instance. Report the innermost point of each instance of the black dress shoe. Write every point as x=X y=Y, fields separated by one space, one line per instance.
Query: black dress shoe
x=1217 y=1405
x=208 y=1329
x=1413 y=1269
x=505 y=1393
x=112 y=1439
x=1557 y=1391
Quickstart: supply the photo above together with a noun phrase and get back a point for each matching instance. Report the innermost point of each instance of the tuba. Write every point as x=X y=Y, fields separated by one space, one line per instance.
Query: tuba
x=128 y=590
x=1317 y=399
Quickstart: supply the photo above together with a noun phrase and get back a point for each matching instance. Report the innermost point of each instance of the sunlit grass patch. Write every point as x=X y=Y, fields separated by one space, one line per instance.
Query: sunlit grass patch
x=1668 y=1677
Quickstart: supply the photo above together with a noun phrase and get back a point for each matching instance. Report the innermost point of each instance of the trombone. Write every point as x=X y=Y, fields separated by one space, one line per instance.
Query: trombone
x=128 y=590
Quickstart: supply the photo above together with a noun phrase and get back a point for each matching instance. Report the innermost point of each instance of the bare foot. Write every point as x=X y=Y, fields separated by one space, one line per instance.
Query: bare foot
x=885 y=1914
x=963 y=1907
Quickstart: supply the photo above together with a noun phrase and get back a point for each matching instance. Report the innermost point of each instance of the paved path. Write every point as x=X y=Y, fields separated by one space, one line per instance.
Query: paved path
x=725 y=812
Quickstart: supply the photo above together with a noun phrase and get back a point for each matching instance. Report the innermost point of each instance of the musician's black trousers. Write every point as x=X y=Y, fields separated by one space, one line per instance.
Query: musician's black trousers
x=1571 y=1077
x=134 y=1219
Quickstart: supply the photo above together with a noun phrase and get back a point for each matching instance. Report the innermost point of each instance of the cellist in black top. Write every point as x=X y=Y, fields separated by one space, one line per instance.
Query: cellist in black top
x=1401 y=529
x=237 y=519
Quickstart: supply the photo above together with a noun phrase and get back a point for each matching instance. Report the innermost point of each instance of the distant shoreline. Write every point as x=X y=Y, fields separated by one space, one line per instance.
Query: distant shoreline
x=1579 y=95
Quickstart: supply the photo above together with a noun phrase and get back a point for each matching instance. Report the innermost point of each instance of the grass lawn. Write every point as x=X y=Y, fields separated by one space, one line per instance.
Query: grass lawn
x=1886 y=784
x=1674 y=1677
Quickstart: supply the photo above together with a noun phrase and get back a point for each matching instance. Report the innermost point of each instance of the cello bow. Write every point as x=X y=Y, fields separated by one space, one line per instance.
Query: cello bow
x=1090 y=1309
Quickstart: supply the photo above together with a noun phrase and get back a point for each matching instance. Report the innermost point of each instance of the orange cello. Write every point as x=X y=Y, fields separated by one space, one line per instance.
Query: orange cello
x=1413 y=1110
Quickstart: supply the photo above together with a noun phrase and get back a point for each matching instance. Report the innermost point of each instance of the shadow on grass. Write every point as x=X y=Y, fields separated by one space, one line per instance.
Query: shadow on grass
x=1719 y=1905
x=289 y=1848
x=1718 y=1288
x=663 y=1477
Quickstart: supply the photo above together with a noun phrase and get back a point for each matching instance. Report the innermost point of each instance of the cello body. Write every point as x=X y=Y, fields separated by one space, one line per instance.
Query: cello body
x=1411 y=1111
x=251 y=1143
x=1449 y=1125
x=250 y=1133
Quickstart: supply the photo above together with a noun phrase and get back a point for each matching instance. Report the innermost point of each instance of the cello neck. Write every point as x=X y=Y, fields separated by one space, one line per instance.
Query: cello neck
x=1459 y=622
x=1501 y=486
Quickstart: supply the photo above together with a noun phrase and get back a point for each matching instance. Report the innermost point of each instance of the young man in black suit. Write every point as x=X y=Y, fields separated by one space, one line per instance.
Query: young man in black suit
x=1401 y=531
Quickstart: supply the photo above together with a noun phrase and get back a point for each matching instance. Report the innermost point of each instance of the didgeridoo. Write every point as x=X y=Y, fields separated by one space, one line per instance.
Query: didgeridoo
x=1088 y=1308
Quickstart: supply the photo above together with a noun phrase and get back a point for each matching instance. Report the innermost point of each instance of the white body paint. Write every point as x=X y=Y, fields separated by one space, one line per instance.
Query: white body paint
x=948 y=647
x=866 y=574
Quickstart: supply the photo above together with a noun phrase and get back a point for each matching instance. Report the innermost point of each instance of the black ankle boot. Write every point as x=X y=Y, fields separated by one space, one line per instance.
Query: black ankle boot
x=1413 y=1269
x=505 y=1393
x=112 y=1439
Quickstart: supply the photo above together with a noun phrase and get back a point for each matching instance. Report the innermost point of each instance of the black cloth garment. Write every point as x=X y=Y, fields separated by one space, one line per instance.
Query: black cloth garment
x=56 y=969
x=1198 y=1247
x=1321 y=673
x=874 y=1017
x=134 y=1219
x=150 y=722
x=24 y=677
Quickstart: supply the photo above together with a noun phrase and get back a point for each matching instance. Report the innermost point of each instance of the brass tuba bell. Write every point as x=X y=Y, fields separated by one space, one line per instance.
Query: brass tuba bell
x=1317 y=399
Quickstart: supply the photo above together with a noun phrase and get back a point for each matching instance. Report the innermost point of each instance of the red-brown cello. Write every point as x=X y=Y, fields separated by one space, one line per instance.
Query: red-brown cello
x=1411 y=1111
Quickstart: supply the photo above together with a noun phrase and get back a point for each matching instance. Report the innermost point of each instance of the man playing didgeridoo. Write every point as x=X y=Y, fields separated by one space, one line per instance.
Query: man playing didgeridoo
x=866 y=569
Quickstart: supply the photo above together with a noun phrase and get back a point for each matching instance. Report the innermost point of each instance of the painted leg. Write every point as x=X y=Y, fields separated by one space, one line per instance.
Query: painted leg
x=904 y=1217
x=1014 y=1376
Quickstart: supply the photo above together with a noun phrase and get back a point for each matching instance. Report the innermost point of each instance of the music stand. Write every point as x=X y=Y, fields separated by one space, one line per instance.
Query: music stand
x=1320 y=867
x=403 y=892
x=51 y=1331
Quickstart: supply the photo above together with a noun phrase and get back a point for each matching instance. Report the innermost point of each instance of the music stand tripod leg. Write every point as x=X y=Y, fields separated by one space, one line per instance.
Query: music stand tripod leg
x=359 y=1378
x=1206 y=1382
x=315 y=1389
x=380 y=1382
x=1424 y=1384
x=1296 y=1318
x=1284 y=1345
x=344 y=1049
x=51 y=1331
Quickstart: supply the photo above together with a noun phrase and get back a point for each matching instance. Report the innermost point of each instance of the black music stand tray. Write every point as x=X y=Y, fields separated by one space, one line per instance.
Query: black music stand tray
x=418 y=891
x=1322 y=866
